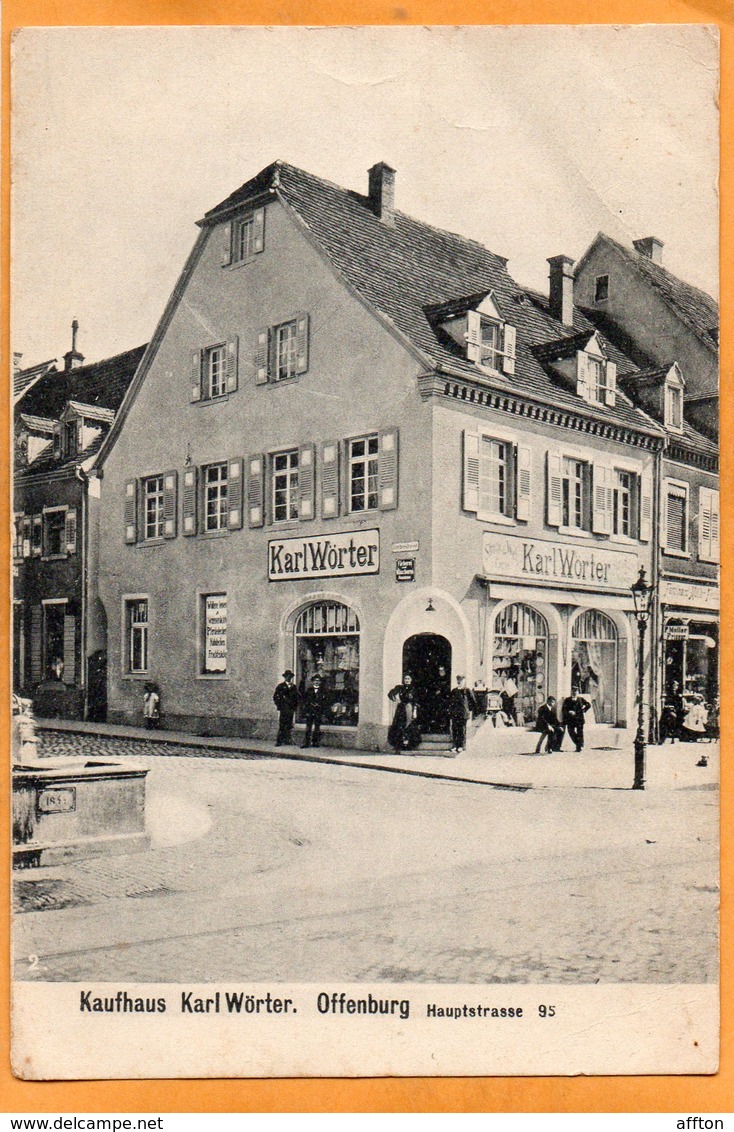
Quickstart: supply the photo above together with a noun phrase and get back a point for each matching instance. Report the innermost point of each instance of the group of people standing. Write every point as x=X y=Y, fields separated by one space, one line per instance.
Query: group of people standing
x=453 y=709
x=687 y=718
x=313 y=700
x=552 y=729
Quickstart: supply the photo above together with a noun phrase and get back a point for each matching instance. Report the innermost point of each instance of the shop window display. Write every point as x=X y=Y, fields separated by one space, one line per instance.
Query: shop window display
x=594 y=664
x=327 y=643
x=520 y=658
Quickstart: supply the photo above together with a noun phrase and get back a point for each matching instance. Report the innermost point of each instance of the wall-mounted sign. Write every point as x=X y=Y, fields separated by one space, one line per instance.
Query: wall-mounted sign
x=514 y=558
x=61 y=800
x=405 y=569
x=405 y=547
x=324 y=556
x=689 y=593
x=215 y=633
x=676 y=633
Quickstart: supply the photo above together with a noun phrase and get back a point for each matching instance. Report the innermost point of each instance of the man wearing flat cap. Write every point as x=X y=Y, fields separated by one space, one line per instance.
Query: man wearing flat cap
x=285 y=698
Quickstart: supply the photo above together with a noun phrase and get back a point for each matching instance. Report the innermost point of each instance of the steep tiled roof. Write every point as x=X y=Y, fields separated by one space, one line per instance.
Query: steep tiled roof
x=24 y=378
x=92 y=412
x=47 y=462
x=100 y=383
x=696 y=441
x=403 y=269
x=36 y=424
x=694 y=307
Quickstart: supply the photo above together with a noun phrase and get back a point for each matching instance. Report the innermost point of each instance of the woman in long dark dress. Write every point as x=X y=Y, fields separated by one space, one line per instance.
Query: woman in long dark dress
x=403 y=734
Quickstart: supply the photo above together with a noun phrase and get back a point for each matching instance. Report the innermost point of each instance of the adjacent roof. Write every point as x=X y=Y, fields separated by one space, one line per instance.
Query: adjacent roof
x=37 y=424
x=404 y=269
x=46 y=462
x=101 y=383
x=92 y=412
x=694 y=307
x=24 y=378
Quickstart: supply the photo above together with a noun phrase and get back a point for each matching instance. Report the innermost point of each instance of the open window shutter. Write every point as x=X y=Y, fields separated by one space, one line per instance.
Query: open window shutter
x=510 y=339
x=69 y=649
x=71 y=531
x=306 y=481
x=473 y=336
x=131 y=511
x=256 y=490
x=234 y=494
x=388 y=469
x=27 y=536
x=554 y=490
x=57 y=441
x=715 y=525
x=472 y=441
x=611 y=392
x=36 y=548
x=582 y=375
x=258 y=219
x=233 y=349
x=301 y=343
x=189 y=499
x=646 y=508
x=261 y=357
x=196 y=375
x=170 y=504
x=704 y=522
x=524 y=483
x=329 y=479
x=36 y=640
x=600 y=514
x=226 y=244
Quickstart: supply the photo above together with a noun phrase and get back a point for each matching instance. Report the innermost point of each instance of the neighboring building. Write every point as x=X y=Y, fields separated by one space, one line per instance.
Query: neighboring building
x=671 y=329
x=656 y=317
x=56 y=629
x=355 y=445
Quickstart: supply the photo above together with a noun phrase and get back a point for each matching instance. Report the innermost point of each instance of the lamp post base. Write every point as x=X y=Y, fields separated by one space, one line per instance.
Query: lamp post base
x=639 y=782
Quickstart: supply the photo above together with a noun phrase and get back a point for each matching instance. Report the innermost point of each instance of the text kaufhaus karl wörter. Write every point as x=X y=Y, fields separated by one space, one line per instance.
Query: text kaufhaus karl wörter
x=333 y=1003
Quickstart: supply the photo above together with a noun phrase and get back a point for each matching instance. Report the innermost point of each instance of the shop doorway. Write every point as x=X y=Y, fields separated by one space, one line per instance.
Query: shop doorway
x=520 y=659
x=427 y=657
x=594 y=664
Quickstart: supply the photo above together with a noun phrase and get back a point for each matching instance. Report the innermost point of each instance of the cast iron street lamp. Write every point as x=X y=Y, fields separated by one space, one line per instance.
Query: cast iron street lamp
x=642 y=593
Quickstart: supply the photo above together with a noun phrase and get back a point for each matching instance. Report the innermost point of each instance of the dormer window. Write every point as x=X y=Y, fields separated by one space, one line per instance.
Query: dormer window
x=674 y=407
x=491 y=342
x=491 y=352
x=71 y=432
x=596 y=375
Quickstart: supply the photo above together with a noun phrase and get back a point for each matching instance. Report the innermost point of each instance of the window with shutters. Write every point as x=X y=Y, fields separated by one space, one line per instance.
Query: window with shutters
x=245 y=237
x=676 y=519
x=136 y=635
x=214 y=382
x=215 y=497
x=286 y=352
x=364 y=473
x=625 y=503
x=497 y=478
x=285 y=491
x=494 y=476
x=708 y=525
x=490 y=340
x=576 y=494
x=674 y=407
x=491 y=351
x=54 y=533
x=153 y=507
x=597 y=377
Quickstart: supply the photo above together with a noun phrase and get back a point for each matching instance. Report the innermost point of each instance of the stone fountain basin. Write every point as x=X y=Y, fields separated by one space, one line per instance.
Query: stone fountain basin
x=66 y=809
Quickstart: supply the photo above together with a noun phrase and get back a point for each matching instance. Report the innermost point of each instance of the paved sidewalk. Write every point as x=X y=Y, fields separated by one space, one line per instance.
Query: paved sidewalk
x=670 y=767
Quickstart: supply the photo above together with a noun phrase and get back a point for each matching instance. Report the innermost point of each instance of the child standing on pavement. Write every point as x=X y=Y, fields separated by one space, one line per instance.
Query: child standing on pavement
x=151 y=706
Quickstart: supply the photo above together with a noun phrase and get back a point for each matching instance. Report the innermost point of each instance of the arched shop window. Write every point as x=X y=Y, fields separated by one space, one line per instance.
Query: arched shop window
x=327 y=642
x=594 y=663
x=520 y=658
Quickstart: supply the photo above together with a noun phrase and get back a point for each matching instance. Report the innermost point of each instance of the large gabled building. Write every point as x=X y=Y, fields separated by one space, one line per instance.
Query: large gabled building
x=356 y=445
x=59 y=632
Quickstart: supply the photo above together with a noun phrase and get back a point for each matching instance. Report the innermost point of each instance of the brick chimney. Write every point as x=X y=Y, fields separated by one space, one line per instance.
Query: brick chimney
x=72 y=357
x=651 y=247
x=561 y=289
x=382 y=192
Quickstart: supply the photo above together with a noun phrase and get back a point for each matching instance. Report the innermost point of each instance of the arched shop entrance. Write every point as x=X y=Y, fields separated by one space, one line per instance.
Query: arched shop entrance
x=326 y=641
x=520 y=657
x=427 y=657
x=594 y=663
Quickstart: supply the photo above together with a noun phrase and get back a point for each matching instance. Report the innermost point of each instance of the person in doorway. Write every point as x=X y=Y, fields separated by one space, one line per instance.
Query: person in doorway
x=549 y=727
x=461 y=705
x=509 y=700
x=314 y=704
x=402 y=733
x=573 y=710
x=285 y=698
x=440 y=706
x=669 y=727
x=151 y=706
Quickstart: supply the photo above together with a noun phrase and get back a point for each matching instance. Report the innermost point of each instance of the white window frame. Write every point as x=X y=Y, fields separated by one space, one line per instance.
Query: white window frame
x=221 y=490
x=285 y=350
x=291 y=487
x=366 y=459
x=586 y=502
x=241 y=225
x=633 y=491
x=682 y=489
x=45 y=555
x=496 y=351
x=214 y=376
x=127 y=637
x=598 y=382
x=159 y=496
x=673 y=393
x=45 y=603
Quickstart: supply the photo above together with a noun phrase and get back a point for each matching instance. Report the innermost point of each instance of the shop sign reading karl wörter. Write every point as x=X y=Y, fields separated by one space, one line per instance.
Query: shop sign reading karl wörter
x=540 y=561
x=324 y=556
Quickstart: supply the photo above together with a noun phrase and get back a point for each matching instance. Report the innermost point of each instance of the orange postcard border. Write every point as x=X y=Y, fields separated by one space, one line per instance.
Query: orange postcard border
x=686 y=1094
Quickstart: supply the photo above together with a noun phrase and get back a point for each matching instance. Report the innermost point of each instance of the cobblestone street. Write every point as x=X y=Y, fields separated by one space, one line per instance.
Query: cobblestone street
x=265 y=869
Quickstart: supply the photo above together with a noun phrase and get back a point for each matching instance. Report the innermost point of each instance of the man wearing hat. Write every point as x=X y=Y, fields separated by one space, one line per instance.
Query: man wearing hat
x=314 y=703
x=285 y=698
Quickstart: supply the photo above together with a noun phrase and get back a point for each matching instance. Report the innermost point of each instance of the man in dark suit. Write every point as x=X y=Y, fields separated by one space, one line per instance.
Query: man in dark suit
x=285 y=698
x=547 y=724
x=572 y=716
x=461 y=705
x=314 y=706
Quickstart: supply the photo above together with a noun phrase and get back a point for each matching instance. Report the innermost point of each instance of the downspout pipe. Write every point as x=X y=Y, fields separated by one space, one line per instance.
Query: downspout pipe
x=83 y=478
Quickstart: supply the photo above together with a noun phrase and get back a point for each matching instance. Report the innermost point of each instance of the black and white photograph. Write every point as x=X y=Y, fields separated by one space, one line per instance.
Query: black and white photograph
x=365 y=551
